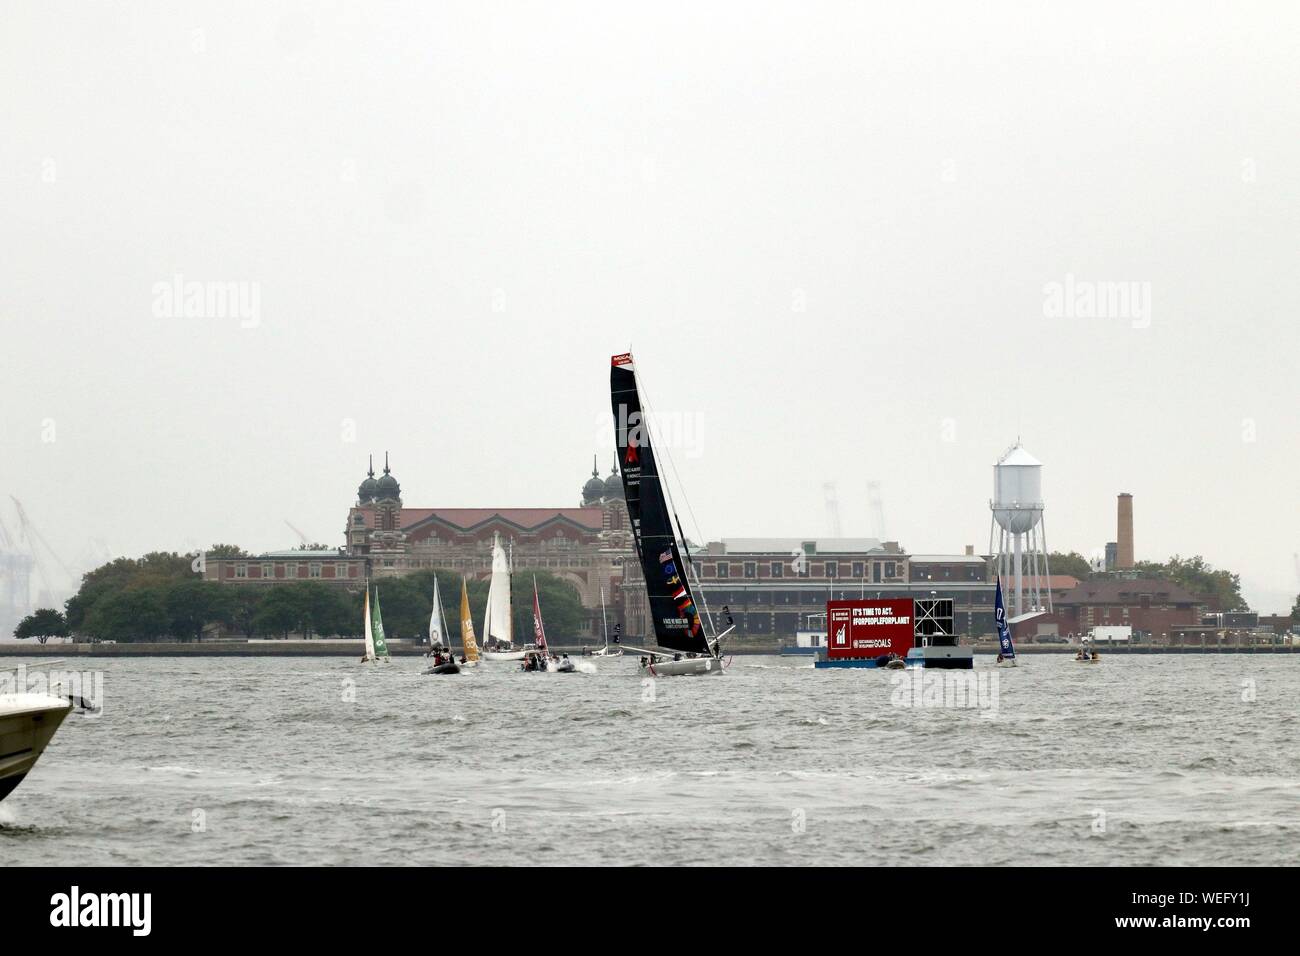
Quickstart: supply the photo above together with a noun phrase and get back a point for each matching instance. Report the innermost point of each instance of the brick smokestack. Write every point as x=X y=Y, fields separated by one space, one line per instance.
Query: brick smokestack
x=1124 y=534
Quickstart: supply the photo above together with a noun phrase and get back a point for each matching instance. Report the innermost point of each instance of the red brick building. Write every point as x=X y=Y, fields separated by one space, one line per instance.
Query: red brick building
x=590 y=546
x=1152 y=607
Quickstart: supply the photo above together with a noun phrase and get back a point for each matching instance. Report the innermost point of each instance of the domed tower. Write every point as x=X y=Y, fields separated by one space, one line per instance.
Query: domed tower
x=612 y=502
x=388 y=501
x=613 y=485
x=366 y=491
x=594 y=489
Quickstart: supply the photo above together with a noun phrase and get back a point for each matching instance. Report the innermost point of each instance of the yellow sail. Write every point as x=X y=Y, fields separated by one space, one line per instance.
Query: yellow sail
x=467 y=625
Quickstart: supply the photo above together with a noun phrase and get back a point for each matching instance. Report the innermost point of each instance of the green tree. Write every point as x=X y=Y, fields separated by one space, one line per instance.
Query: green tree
x=42 y=625
x=1220 y=589
x=1073 y=564
x=192 y=605
x=278 y=612
x=323 y=609
x=243 y=613
x=158 y=569
x=226 y=551
x=562 y=612
x=136 y=614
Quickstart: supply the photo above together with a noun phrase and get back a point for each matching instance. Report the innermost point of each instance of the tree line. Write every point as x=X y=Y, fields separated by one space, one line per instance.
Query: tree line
x=158 y=597
x=1220 y=589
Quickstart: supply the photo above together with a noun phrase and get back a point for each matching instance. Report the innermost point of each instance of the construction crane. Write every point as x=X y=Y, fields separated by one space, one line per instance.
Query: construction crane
x=877 y=510
x=306 y=542
x=31 y=536
x=832 y=508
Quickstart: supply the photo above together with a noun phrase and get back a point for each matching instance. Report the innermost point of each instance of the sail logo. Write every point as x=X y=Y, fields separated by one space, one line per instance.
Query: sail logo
x=919 y=688
x=680 y=594
x=133 y=910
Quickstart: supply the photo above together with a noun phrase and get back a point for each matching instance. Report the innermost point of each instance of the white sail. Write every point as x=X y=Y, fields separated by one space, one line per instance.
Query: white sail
x=435 y=618
x=370 y=634
x=497 y=617
x=604 y=624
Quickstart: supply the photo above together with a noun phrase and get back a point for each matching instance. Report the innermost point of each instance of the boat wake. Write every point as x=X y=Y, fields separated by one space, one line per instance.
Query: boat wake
x=584 y=667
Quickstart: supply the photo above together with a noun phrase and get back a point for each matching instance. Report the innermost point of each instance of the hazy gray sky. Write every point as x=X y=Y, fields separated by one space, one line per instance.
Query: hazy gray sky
x=828 y=231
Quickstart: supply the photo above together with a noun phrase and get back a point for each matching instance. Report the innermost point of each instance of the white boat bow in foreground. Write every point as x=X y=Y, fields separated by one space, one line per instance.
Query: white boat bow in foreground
x=27 y=722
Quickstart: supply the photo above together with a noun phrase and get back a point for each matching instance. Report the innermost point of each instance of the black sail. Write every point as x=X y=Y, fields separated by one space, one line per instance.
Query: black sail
x=672 y=607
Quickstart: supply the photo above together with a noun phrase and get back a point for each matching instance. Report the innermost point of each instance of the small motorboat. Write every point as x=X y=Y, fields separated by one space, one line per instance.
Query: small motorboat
x=27 y=722
x=446 y=667
x=563 y=665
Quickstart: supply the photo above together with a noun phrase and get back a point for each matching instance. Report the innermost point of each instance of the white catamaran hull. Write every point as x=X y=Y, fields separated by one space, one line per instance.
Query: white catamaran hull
x=502 y=655
x=686 y=667
x=608 y=652
x=27 y=722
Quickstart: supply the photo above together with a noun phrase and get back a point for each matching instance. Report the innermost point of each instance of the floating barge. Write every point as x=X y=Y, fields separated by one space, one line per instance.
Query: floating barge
x=886 y=632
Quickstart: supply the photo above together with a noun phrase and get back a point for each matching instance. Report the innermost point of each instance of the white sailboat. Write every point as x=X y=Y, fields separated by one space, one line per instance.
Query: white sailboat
x=442 y=660
x=606 y=651
x=368 y=625
x=437 y=622
x=498 y=619
x=376 y=644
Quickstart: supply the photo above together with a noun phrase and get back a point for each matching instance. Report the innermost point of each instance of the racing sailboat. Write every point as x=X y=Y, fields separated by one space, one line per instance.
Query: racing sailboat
x=607 y=651
x=437 y=622
x=1006 y=649
x=497 y=616
x=440 y=655
x=469 y=645
x=368 y=629
x=376 y=646
x=677 y=623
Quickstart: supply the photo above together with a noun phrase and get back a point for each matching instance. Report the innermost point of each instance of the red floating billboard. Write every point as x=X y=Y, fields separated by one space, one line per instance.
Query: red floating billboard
x=869 y=628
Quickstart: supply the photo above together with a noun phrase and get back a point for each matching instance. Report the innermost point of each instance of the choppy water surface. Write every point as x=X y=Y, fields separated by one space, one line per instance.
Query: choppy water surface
x=1138 y=760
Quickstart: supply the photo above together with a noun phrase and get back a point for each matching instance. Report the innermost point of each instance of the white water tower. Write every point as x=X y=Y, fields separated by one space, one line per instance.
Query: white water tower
x=1021 y=551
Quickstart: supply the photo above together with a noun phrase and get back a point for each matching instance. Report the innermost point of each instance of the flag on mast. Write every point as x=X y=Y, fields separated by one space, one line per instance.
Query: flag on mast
x=539 y=632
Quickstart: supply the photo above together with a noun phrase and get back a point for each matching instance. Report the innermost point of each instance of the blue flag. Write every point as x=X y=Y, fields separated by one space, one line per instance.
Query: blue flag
x=1004 y=632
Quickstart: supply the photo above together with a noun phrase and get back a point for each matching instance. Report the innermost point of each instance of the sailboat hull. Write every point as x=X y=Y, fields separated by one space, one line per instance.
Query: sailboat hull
x=502 y=655
x=686 y=667
x=608 y=652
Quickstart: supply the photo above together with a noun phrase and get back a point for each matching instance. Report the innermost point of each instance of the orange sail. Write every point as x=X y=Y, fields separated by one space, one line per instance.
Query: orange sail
x=467 y=625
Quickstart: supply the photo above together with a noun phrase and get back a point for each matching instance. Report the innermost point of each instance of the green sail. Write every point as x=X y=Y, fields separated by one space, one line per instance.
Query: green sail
x=377 y=630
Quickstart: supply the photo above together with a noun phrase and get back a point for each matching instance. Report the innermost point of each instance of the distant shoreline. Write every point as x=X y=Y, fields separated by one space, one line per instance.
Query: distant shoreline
x=353 y=648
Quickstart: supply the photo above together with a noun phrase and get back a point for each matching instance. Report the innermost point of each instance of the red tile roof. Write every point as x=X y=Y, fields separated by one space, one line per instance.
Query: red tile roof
x=465 y=519
x=1128 y=591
